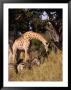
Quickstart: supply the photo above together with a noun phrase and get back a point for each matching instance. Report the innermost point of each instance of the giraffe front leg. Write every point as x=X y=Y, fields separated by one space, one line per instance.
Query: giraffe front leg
x=26 y=56
x=24 y=63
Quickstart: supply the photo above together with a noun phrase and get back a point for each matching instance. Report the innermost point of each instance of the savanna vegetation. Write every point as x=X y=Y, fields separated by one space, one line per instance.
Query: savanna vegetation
x=22 y=20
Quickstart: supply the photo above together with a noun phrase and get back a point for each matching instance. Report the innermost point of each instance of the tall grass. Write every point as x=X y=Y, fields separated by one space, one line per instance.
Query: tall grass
x=49 y=70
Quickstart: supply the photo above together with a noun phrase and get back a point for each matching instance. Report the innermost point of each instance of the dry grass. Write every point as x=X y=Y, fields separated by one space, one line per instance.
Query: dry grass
x=50 y=70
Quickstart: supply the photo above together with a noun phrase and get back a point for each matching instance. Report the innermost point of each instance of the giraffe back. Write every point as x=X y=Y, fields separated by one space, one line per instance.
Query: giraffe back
x=33 y=35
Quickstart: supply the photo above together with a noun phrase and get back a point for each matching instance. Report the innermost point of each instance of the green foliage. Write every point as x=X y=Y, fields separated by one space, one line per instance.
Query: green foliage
x=51 y=69
x=21 y=17
x=36 y=43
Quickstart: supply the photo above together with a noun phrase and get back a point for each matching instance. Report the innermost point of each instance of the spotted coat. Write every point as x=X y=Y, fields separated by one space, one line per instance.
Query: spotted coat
x=23 y=42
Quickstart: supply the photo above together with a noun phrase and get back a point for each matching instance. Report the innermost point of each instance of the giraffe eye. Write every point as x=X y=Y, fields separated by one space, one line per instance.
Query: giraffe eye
x=46 y=43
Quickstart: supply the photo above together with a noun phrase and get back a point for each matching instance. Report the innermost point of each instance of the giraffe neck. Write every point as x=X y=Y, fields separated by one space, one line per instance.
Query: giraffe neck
x=39 y=38
x=33 y=35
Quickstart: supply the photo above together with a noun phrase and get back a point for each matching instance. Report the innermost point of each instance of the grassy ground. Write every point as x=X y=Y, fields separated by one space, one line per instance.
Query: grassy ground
x=49 y=70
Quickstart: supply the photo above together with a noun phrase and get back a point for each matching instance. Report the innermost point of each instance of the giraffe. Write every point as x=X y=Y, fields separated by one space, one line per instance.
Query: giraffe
x=52 y=32
x=23 y=42
x=54 y=38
